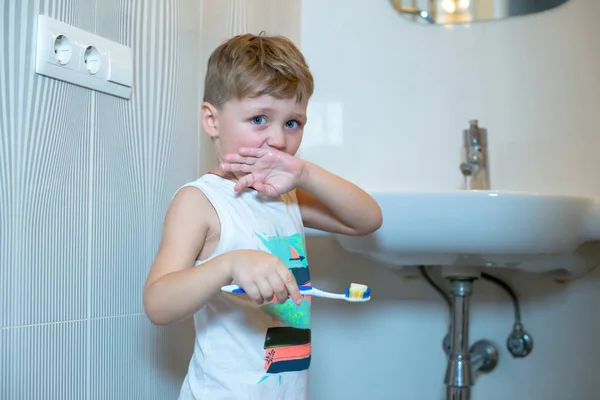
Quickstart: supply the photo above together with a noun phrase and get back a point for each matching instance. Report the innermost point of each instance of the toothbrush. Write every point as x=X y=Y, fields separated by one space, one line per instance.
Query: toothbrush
x=356 y=293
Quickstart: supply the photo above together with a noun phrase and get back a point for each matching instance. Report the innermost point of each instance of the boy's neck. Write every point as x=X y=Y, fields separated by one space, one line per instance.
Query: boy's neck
x=225 y=175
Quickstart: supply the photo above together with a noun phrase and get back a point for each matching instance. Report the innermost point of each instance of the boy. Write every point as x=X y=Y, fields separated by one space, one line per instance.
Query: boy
x=243 y=223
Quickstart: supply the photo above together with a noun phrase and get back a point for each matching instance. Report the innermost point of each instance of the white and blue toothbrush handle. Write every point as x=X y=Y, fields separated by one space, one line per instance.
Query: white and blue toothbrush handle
x=304 y=290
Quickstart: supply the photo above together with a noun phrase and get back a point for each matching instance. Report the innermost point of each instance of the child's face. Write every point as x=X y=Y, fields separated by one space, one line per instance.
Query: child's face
x=259 y=122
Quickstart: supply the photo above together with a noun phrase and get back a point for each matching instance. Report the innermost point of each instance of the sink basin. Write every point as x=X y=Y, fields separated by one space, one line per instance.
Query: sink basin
x=527 y=231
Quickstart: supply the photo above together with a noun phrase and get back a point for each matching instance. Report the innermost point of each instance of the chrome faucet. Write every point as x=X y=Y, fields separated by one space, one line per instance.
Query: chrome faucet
x=475 y=158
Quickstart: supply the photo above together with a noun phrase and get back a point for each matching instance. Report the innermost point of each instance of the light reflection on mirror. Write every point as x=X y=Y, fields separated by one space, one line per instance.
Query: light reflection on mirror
x=445 y=12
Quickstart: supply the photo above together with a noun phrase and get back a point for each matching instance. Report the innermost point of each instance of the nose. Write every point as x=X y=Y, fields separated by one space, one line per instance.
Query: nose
x=276 y=139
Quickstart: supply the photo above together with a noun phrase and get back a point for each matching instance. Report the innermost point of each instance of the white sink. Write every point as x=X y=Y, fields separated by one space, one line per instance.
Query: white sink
x=532 y=232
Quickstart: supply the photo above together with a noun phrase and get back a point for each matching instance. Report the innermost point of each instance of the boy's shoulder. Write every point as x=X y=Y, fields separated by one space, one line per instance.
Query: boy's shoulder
x=191 y=202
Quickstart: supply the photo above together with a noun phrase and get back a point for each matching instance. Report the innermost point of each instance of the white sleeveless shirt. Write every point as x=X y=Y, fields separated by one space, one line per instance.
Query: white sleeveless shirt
x=243 y=351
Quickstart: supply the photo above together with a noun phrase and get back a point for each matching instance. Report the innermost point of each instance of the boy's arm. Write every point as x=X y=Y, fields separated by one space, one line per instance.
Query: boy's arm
x=174 y=290
x=327 y=202
x=332 y=204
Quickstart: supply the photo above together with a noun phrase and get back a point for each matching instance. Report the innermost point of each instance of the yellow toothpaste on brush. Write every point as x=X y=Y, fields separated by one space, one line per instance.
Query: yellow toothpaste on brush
x=358 y=291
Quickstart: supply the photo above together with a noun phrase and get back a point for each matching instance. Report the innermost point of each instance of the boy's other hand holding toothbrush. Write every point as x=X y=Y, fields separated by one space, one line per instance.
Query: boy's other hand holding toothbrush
x=262 y=276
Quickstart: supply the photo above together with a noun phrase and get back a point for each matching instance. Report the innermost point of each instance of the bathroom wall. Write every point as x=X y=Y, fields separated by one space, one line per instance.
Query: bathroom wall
x=85 y=179
x=392 y=98
x=409 y=90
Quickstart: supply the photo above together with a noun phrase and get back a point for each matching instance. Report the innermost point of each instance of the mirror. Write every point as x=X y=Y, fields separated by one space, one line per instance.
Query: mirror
x=445 y=12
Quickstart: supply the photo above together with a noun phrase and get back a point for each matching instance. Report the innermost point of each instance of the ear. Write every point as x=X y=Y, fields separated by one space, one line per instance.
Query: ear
x=208 y=118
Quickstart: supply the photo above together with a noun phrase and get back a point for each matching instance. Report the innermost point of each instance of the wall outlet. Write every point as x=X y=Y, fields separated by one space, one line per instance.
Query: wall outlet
x=82 y=58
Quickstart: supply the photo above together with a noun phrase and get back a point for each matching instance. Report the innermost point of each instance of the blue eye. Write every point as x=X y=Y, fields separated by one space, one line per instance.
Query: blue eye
x=259 y=120
x=292 y=124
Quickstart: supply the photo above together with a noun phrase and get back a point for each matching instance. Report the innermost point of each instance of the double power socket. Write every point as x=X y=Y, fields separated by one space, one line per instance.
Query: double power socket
x=63 y=52
x=76 y=56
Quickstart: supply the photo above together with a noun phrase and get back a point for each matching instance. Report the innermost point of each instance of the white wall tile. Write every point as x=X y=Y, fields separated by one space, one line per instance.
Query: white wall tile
x=85 y=180
x=133 y=359
x=44 y=159
x=43 y=362
x=144 y=149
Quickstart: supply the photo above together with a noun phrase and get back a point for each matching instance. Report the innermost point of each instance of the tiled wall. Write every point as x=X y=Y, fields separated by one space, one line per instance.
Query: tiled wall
x=85 y=179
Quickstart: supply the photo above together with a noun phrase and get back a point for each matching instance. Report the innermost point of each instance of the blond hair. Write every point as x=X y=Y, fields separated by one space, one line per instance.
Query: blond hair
x=251 y=66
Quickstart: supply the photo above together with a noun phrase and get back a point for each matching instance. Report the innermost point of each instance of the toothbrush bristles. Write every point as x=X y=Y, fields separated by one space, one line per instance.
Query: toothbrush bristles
x=357 y=291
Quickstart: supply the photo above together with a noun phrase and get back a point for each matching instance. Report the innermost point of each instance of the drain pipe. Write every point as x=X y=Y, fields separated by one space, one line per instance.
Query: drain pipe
x=459 y=378
x=462 y=360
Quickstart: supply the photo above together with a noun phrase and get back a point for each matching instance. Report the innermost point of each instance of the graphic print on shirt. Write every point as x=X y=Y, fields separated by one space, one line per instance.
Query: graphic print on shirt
x=288 y=345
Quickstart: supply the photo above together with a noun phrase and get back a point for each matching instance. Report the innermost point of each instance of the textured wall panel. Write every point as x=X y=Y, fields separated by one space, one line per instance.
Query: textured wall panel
x=144 y=149
x=44 y=159
x=43 y=362
x=85 y=179
x=135 y=360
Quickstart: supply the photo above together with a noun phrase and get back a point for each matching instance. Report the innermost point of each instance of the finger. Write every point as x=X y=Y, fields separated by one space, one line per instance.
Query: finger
x=266 y=291
x=254 y=293
x=265 y=190
x=260 y=187
x=229 y=167
x=278 y=287
x=290 y=284
x=238 y=159
x=240 y=167
x=244 y=182
x=252 y=152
